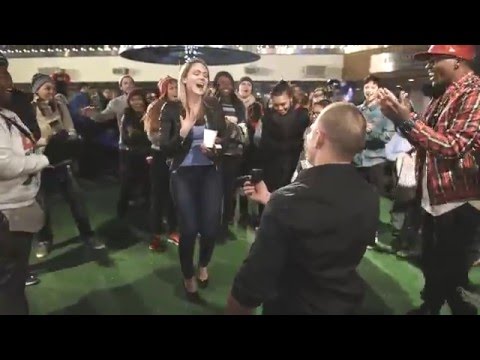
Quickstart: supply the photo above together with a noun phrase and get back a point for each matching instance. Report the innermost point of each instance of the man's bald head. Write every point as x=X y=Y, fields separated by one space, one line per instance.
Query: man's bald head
x=343 y=127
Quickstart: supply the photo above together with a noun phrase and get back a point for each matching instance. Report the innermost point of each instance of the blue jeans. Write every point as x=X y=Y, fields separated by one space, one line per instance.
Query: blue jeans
x=197 y=194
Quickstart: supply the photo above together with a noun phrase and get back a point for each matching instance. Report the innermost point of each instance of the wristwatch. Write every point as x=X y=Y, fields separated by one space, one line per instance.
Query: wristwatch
x=408 y=125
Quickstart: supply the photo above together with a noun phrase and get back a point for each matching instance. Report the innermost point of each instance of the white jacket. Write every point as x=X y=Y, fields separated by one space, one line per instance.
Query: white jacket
x=20 y=166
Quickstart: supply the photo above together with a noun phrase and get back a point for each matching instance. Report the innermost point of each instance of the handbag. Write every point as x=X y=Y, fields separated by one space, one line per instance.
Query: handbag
x=405 y=166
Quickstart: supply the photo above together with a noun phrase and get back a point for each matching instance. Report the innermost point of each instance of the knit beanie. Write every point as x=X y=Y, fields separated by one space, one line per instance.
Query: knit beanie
x=246 y=78
x=39 y=80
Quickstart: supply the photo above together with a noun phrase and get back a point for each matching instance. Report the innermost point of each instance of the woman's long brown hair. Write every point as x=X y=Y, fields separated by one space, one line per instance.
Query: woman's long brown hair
x=152 y=116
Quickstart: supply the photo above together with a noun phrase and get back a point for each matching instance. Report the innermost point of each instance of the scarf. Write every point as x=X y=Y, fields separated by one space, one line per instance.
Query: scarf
x=249 y=101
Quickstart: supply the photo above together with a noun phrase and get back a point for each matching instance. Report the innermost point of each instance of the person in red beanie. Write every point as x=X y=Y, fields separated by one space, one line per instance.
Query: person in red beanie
x=161 y=201
x=61 y=80
x=447 y=140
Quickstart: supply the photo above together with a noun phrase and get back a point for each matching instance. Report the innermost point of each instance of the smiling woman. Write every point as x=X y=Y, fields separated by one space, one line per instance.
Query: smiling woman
x=234 y=112
x=195 y=179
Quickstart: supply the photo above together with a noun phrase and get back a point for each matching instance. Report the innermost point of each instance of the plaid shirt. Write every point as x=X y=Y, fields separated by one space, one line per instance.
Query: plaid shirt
x=448 y=140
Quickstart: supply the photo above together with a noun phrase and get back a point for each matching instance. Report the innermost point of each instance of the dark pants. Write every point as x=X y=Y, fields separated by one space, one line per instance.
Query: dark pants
x=475 y=252
x=161 y=200
x=62 y=179
x=447 y=241
x=100 y=154
x=88 y=156
x=252 y=160
x=376 y=176
x=406 y=217
x=408 y=236
x=122 y=161
x=134 y=175
x=278 y=171
x=197 y=193
x=14 y=254
x=243 y=206
x=231 y=168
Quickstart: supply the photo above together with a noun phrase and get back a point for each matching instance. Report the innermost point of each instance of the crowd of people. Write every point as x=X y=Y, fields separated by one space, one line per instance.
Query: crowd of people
x=198 y=148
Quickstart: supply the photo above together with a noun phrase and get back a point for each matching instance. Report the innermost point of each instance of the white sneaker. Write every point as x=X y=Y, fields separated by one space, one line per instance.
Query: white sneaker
x=42 y=250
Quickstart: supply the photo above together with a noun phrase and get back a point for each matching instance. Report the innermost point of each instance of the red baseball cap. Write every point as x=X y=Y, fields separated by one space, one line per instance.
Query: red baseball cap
x=465 y=52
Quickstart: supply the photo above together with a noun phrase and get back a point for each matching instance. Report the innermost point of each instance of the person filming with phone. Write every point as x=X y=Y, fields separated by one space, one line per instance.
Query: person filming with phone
x=314 y=232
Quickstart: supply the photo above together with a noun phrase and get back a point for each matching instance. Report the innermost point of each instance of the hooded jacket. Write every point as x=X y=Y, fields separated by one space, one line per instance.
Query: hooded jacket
x=20 y=166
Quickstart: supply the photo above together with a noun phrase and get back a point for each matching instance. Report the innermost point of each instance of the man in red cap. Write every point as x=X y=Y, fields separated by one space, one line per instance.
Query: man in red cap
x=447 y=139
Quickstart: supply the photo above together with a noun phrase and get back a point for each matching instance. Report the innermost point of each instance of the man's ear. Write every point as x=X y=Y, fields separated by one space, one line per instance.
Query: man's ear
x=321 y=138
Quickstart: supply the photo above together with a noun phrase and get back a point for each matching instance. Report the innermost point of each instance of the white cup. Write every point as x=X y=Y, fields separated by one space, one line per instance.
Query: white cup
x=209 y=137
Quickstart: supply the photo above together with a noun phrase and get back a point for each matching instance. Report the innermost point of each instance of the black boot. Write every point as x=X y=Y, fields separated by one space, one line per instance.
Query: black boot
x=459 y=304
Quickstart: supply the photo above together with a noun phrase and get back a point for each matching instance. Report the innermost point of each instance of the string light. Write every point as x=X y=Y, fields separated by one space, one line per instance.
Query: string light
x=190 y=50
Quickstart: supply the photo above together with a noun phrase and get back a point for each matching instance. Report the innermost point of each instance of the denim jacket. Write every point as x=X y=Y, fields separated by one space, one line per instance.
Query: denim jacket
x=382 y=132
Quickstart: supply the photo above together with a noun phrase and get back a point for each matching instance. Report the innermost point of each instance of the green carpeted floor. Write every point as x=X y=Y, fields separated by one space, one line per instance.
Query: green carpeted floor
x=129 y=279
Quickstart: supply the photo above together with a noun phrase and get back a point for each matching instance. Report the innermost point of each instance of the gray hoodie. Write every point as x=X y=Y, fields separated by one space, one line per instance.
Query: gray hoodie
x=114 y=110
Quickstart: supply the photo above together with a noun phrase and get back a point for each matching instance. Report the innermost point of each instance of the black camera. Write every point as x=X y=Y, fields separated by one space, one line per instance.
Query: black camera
x=398 y=91
x=255 y=177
